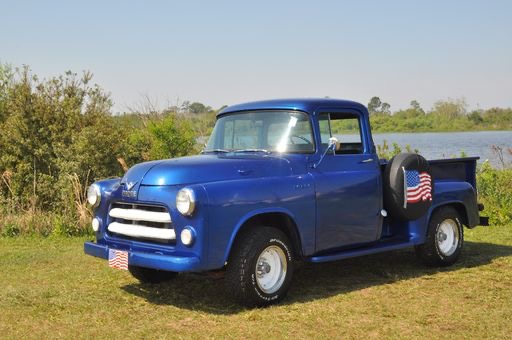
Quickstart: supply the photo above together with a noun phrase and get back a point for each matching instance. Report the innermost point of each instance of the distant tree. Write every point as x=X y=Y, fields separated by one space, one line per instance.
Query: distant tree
x=185 y=107
x=385 y=108
x=475 y=117
x=498 y=116
x=197 y=108
x=417 y=107
x=451 y=108
x=374 y=105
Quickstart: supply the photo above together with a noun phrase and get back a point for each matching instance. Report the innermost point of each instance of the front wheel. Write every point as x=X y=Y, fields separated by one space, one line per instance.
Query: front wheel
x=260 y=268
x=148 y=275
x=445 y=237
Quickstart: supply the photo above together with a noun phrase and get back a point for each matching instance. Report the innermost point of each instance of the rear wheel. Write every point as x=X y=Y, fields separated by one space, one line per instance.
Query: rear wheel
x=260 y=268
x=149 y=275
x=445 y=238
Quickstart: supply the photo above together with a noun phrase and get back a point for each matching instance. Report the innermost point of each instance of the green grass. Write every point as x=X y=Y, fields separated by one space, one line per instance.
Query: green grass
x=49 y=288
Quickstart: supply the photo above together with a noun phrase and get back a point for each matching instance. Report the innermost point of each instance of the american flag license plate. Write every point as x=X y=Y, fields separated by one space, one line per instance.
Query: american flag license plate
x=118 y=259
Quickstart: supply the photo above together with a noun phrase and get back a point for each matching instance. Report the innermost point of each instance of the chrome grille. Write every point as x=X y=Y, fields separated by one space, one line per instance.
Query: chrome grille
x=141 y=222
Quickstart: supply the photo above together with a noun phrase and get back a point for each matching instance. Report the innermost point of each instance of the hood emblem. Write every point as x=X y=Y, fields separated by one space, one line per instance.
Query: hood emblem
x=130 y=185
x=129 y=192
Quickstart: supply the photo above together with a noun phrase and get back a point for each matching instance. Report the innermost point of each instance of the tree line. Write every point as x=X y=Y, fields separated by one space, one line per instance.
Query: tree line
x=445 y=115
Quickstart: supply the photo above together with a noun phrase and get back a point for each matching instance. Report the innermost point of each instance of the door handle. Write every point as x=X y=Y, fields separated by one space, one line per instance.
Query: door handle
x=367 y=160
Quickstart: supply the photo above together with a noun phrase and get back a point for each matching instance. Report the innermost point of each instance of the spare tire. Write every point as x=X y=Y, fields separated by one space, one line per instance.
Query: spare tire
x=408 y=186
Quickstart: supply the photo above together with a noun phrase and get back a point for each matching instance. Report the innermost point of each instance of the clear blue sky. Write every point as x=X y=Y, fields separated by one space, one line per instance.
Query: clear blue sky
x=224 y=52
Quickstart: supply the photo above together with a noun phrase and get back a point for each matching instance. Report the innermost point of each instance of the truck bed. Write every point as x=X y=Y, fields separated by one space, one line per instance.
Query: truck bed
x=451 y=169
x=455 y=169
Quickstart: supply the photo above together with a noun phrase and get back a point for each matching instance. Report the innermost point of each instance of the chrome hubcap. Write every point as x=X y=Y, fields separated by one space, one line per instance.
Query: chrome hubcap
x=447 y=237
x=271 y=269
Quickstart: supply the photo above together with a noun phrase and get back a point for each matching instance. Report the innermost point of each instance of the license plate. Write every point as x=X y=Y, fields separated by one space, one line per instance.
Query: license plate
x=118 y=259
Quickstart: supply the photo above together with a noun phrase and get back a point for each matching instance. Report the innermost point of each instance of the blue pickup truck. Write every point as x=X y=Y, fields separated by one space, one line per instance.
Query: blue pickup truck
x=278 y=182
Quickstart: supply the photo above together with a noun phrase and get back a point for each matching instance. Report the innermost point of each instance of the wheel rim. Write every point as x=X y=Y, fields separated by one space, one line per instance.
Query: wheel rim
x=271 y=269
x=447 y=237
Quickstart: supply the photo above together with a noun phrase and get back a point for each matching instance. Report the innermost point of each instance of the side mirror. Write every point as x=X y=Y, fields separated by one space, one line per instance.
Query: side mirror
x=333 y=143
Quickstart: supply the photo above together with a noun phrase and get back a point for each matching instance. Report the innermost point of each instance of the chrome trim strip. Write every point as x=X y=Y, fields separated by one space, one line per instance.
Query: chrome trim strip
x=140 y=215
x=134 y=230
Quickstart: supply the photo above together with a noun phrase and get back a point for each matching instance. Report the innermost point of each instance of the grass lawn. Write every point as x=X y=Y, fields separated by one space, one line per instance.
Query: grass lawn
x=49 y=288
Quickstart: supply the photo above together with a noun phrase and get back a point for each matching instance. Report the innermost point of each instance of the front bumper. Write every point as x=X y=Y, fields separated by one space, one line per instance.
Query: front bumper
x=148 y=260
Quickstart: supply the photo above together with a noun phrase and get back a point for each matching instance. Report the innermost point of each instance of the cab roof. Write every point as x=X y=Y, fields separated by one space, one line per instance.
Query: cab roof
x=308 y=105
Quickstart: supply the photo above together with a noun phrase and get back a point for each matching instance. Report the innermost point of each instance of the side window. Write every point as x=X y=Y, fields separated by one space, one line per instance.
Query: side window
x=346 y=128
x=325 y=129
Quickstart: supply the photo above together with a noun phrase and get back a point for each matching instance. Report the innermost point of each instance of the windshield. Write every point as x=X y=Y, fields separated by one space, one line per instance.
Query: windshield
x=266 y=131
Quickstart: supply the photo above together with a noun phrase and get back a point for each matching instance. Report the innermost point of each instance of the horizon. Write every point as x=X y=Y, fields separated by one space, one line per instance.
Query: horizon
x=228 y=53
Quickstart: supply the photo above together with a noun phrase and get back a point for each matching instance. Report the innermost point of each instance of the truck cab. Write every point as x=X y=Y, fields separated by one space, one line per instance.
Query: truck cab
x=278 y=182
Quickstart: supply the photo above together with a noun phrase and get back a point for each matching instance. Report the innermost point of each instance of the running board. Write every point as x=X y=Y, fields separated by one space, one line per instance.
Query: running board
x=373 y=249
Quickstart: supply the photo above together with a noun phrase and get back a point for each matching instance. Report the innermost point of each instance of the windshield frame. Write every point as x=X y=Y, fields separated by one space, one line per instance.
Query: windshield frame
x=264 y=150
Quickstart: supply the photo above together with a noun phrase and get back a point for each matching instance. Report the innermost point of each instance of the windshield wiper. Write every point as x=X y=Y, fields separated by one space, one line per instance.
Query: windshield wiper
x=235 y=150
x=216 y=151
x=253 y=150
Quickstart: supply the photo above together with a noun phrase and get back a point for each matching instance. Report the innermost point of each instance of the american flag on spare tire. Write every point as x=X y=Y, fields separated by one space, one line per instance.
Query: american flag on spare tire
x=418 y=186
x=118 y=259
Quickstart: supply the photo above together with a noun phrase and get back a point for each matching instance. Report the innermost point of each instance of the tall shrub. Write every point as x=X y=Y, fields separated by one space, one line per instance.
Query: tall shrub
x=51 y=129
x=495 y=190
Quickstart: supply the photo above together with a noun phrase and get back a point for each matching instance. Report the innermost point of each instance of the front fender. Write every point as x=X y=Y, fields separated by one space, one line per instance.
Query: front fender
x=232 y=203
x=247 y=217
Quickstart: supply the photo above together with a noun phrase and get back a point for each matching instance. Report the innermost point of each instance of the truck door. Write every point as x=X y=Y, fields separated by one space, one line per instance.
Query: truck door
x=348 y=183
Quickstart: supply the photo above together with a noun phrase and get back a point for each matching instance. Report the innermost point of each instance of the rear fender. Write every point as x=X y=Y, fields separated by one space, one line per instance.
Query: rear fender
x=459 y=195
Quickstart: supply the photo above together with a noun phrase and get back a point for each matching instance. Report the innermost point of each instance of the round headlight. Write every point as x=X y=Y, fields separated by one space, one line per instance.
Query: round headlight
x=95 y=224
x=94 y=195
x=187 y=236
x=186 y=201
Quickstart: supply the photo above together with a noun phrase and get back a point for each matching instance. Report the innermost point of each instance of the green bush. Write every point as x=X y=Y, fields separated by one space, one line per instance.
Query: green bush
x=164 y=137
x=53 y=128
x=384 y=151
x=10 y=230
x=495 y=191
x=58 y=136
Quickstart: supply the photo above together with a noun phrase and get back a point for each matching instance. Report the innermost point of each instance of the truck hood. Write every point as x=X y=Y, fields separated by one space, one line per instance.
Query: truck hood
x=206 y=168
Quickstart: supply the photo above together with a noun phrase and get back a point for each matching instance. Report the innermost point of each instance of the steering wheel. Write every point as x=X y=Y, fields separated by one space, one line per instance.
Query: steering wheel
x=299 y=137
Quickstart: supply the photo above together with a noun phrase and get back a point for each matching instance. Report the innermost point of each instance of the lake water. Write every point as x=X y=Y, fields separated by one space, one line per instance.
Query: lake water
x=435 y=145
